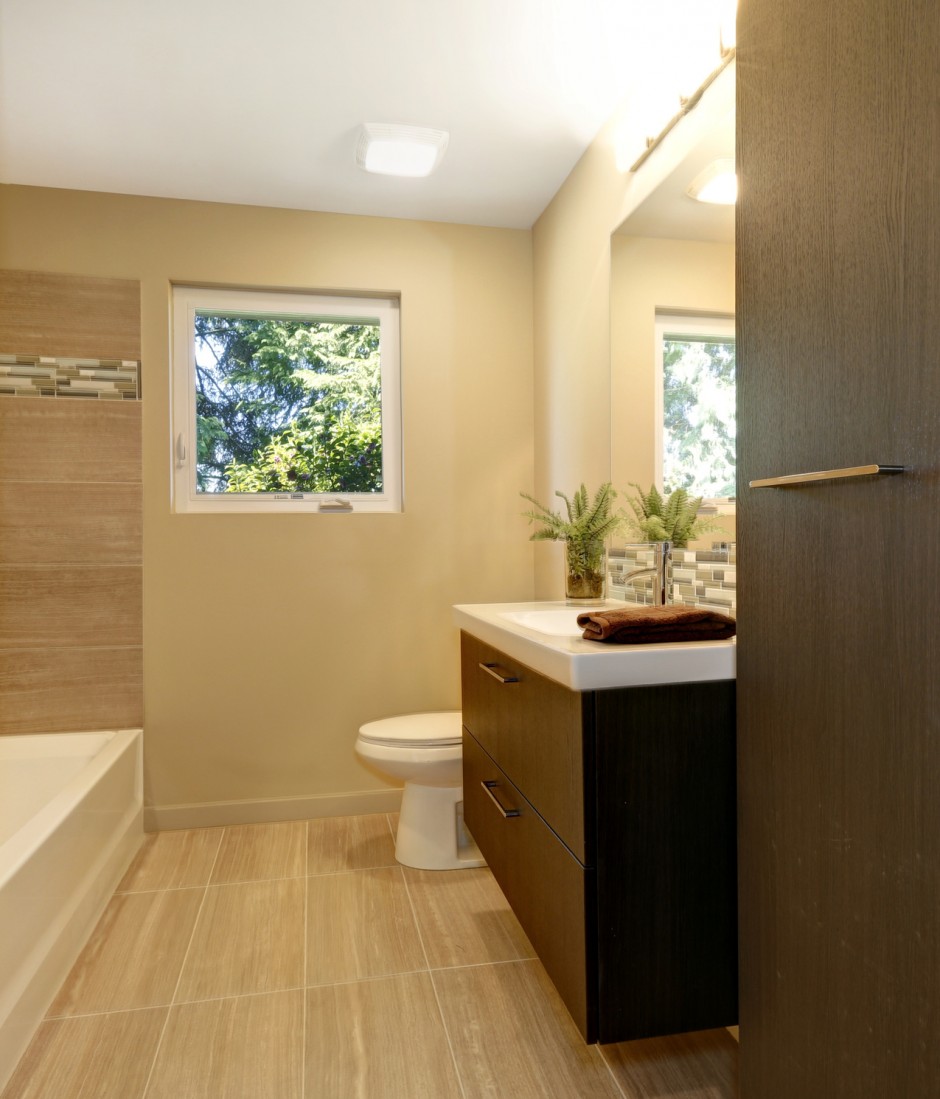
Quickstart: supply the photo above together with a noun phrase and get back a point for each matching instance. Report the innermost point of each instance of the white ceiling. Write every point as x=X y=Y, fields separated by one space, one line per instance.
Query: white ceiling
x=260 y=103
x=668 y=211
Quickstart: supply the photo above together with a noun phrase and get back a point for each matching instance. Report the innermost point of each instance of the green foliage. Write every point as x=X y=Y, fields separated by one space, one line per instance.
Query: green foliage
x=673 y=519
x=287 y=404
x=586 y=525
x=699 y=415
x=295 y=461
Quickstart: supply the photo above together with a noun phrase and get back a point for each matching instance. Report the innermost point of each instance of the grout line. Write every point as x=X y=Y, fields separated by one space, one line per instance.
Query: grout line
x=484 y=965
x=292 y=988
x=303 y=1017
x=613 y=1076
x=366 y=980
x=189 y=945
x=430 y=972
x=112 y=1011
x=414 y=916
x=61 y=483
x=182 y=1003
x=255 y=881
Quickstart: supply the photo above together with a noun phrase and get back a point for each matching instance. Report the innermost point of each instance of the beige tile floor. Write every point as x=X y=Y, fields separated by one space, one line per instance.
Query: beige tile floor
x=300 y=961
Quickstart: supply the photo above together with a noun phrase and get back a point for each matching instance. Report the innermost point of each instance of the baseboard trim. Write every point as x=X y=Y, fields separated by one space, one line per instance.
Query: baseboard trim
x=166 y=818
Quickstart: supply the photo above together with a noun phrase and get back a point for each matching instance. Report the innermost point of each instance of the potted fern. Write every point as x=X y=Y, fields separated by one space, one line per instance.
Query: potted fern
x=673 y=518
x=584 y=528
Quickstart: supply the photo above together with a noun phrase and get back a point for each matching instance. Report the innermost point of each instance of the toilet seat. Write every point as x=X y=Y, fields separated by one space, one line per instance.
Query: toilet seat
x=431 y=730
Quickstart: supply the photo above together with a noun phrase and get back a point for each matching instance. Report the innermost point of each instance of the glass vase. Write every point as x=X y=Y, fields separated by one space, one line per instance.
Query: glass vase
x=585 y=574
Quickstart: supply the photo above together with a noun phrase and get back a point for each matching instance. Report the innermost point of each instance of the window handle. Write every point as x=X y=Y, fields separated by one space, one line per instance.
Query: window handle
x=180 y=451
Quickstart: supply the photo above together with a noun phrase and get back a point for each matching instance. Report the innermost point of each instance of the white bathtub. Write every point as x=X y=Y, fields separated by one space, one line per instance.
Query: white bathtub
x=71 y=810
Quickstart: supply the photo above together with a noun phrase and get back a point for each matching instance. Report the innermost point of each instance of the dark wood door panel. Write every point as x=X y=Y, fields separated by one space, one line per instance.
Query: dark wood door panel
x=838 y=266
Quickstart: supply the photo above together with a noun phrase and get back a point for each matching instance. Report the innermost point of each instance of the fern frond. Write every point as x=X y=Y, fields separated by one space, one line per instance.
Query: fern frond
x=569 y=506
x=588 y=522
x=600 y=510
x=674 y=519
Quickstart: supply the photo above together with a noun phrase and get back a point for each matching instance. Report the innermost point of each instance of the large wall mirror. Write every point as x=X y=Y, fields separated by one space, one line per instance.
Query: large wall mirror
x=672 y=280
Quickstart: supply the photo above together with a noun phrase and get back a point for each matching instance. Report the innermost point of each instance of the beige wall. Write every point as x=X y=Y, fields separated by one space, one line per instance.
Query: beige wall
x=571 y=264
x=269 y=639
x=572 y=314
x=571 y=309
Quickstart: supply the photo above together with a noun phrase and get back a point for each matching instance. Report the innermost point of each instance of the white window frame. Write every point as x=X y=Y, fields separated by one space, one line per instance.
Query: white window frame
x=186 y=301
x=679 y=324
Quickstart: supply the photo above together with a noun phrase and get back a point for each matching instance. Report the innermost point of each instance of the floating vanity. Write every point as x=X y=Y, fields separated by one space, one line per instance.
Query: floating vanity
x=599 y=783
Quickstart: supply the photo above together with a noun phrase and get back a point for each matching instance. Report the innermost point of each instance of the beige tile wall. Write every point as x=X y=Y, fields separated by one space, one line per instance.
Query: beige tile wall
x=52 y=314
x=70 y=517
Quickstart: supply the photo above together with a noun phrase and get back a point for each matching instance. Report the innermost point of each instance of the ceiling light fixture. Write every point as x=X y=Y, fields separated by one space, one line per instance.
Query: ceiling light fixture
x=717 y=184
x=393 y=150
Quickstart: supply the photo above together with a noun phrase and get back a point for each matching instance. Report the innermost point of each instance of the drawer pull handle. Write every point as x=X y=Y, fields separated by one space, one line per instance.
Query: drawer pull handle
x=489 y=785
x=500 y=673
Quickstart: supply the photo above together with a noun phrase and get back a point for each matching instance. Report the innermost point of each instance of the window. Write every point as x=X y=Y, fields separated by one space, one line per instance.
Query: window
x=285 y=402
x=695 y=357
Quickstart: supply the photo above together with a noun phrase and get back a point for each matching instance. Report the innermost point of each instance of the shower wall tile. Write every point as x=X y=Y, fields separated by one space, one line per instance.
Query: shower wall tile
x=70 y=605
x=60 y=523
x=69 y=315
x=69 y=690
x=71 y=549
x=69 y=378
x=70 y=440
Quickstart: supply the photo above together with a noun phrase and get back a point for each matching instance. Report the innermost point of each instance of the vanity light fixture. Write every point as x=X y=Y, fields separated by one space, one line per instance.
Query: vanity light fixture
x=394 y=150
x=717 y=184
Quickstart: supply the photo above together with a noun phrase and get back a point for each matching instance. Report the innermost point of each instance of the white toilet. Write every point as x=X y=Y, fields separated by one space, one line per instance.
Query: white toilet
x=424 y=751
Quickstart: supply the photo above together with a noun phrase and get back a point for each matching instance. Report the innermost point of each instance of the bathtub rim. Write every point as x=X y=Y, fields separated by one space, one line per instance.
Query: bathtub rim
x=17 y=848
x=87 y=887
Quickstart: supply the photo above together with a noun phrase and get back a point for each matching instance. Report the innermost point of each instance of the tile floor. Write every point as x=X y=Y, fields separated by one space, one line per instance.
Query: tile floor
x=298 y=960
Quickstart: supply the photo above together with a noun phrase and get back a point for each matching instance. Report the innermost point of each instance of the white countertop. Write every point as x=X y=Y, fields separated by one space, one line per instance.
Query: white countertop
x=590 y=665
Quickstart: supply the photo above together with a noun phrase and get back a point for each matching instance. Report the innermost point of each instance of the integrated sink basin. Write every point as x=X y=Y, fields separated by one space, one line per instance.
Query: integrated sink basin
x=554 y=621
x=545 y=637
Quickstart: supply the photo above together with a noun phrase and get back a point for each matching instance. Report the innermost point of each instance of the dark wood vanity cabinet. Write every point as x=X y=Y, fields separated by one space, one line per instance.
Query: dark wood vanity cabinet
x=608 y=819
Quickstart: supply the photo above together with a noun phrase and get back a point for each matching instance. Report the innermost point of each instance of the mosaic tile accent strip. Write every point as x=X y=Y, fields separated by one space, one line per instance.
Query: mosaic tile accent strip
x=696 y=578
x=87 y=379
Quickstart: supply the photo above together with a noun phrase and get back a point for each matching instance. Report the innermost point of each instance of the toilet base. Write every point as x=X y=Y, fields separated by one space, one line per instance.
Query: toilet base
x=431 y=832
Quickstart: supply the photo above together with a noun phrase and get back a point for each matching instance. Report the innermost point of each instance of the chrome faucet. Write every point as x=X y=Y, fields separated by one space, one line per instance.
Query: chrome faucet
x=662 y=555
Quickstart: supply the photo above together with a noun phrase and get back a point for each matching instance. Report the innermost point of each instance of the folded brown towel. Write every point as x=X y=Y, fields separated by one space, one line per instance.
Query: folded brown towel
x=652 y=625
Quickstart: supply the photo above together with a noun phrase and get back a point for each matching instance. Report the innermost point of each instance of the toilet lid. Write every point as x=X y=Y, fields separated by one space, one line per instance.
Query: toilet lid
x=415 y=730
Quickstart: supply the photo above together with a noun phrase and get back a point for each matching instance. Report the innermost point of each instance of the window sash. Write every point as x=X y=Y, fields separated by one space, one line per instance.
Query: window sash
x=190 y=300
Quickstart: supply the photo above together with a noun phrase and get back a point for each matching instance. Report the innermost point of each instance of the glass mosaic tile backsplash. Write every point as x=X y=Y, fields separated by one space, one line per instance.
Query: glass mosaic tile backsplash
x=90 y=379
x=695 y=578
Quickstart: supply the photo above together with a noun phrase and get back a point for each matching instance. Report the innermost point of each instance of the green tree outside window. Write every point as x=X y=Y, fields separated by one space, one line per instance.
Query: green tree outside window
x=287 y=405
x=699 y=437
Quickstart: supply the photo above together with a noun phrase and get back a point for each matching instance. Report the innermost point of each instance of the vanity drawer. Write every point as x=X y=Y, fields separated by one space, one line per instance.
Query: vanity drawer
x=548 y=889
x=537 y=731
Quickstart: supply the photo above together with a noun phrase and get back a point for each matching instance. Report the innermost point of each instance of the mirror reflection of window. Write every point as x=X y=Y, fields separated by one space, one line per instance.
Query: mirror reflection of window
x=696 y=363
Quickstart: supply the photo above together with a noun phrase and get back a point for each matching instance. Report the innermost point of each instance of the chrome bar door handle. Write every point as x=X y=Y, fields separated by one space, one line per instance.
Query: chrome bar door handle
x=824 y=475
x=500 y=673
x=489 y=785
